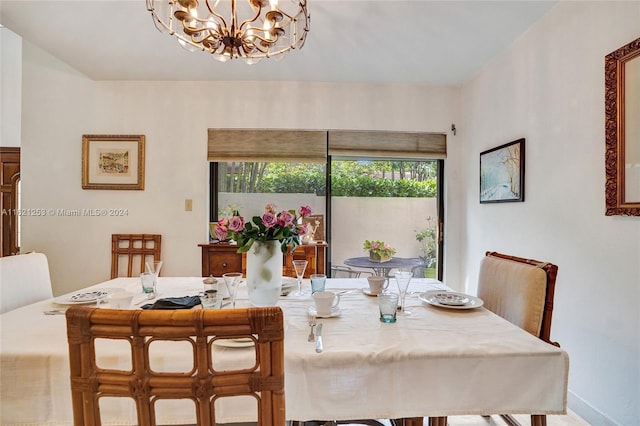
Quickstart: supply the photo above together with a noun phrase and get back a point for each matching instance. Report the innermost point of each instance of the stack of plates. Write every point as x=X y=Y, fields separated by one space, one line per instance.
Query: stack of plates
x=288 y=285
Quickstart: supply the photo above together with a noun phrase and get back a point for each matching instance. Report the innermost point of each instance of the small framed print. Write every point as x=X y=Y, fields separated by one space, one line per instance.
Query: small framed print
x=113 y=162
x=315 y=228
x=502 y=173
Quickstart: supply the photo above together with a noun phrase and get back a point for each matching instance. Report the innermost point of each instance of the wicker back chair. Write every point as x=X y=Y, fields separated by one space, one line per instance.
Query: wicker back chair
x=204 y=384
x=130 y=247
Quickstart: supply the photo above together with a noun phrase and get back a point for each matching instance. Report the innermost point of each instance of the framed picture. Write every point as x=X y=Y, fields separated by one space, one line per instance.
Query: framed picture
x=502 y=173
x=113 y=162
x=315 y=228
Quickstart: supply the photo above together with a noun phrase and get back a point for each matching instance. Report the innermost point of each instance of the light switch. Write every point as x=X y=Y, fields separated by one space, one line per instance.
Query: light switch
x=188 y=205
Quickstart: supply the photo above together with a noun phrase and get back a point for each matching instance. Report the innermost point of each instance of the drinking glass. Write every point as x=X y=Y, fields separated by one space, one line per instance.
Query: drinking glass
x=388 y=304
x=403 y=278
x=211 y=300
x=317 y=282
x=232 y=281
x=154 y=267
x=148 y=282
x=299 y=266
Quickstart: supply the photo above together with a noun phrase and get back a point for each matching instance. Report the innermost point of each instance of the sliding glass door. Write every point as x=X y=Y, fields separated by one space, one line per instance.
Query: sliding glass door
x=390 y=200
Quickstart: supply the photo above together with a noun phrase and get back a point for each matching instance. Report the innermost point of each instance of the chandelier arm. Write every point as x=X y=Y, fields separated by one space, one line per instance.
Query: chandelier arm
x=249 y=21
x=212 y=10
x=268 y=42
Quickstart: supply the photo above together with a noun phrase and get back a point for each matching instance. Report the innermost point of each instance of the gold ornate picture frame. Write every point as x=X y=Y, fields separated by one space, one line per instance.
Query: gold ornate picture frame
x=622 y=130
x=113 y=162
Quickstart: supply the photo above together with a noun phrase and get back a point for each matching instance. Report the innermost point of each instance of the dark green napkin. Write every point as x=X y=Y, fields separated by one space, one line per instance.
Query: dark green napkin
x=186 y=302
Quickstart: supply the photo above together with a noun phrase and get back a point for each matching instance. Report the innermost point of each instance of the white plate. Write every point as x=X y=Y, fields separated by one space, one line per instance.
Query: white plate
x=334 y=313
x=85 y=297
x=288 y=284
x=235 y=343
x=367 y=291
x=436 y=298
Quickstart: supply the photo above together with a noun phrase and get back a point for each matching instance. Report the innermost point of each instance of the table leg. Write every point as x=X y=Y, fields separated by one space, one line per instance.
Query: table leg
x=538 y=420
x=438 y=421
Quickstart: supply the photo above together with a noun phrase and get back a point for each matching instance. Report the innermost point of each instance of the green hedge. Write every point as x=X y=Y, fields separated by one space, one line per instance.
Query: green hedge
x=349 y=179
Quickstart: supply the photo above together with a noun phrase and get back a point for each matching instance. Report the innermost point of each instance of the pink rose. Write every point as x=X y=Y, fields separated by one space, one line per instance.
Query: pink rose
x=285 y=218
x=302 y=229
x=221 y=232
x=236 y=223
x=269 y=220
x=305 y=211
x=223 y=221
x=270 y=208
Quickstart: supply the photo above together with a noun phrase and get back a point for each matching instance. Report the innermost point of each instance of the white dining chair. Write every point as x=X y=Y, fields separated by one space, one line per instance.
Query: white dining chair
x=24 y=279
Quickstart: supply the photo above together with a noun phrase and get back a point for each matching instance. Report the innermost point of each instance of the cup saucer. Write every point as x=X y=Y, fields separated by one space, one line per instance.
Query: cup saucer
x=368 y=292
x=335 y=312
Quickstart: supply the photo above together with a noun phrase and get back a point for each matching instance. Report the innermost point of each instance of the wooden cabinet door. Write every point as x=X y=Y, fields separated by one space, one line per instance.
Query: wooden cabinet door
x=9 y=178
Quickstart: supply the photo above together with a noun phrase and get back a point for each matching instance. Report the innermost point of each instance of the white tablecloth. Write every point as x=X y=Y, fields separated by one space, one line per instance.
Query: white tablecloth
x=435 y=362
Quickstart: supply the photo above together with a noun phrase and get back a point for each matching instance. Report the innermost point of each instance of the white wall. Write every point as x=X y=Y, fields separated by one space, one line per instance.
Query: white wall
x=10 y=87
x=549 y=89
x=60 y=105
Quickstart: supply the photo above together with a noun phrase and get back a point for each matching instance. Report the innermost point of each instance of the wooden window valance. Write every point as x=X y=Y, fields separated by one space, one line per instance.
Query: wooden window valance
x=259 y=145
x=387 y=144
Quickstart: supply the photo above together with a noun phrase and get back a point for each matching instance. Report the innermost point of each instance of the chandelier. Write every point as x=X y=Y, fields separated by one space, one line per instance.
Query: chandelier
x=228 y=29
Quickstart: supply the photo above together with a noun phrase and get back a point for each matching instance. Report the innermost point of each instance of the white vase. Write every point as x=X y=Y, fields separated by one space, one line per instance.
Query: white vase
x=264 y=273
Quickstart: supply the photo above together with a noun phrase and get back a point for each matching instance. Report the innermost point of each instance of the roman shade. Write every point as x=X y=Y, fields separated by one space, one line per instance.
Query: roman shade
x=263 y=145
x=384 y=144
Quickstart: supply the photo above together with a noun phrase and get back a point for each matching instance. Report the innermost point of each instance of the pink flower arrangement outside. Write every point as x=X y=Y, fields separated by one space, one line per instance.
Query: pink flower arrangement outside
x=379 y=247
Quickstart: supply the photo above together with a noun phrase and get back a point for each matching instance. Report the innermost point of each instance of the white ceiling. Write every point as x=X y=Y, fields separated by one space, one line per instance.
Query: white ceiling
x=417 y=41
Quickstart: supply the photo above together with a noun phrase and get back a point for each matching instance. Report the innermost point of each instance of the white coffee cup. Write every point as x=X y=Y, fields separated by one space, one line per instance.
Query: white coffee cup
x=326 y=302
x=377 y=284
x=120 y=300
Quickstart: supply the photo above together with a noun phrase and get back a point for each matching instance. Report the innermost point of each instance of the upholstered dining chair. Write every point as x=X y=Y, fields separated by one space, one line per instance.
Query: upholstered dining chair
x=521 y=291
x=24 y=279
x=209 y=381
x=129 y=252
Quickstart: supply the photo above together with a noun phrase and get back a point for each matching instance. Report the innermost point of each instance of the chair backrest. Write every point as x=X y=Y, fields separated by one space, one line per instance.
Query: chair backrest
x=419 y=271
x=24 y=279
x=135 y=249
x=519 y=290
x=207 y=382
x=339 y=271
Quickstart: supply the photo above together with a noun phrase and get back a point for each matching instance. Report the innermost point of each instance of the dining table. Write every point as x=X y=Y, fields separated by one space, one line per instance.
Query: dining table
x=382 y=268
x=438 y=361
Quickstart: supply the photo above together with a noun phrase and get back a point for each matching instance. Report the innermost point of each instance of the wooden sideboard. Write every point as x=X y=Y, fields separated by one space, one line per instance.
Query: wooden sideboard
x=220 y=258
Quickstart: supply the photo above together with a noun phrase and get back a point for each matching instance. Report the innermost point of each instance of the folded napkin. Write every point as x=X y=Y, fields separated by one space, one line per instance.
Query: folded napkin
x=186 y=302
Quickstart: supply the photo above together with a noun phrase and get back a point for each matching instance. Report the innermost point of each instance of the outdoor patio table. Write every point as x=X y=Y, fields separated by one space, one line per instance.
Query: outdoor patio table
x=382 y=268
x=435 y=362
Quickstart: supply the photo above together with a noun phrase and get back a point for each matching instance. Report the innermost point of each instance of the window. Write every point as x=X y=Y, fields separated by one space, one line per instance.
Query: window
x=379 y=185
x=249 y=186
